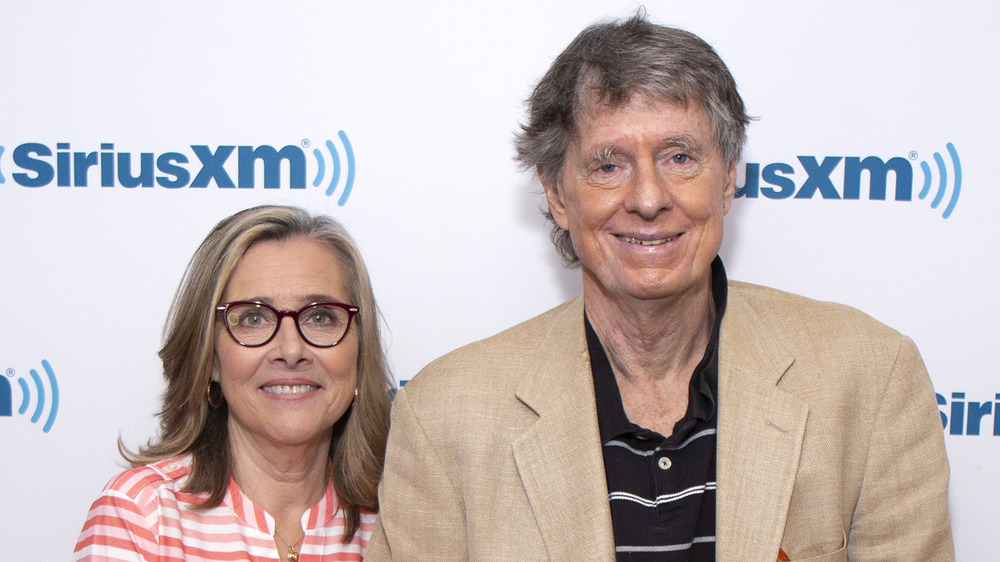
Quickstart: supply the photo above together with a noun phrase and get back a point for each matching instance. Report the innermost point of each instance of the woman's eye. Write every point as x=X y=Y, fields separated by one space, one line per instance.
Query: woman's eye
x=322 y=317
x=252 y=319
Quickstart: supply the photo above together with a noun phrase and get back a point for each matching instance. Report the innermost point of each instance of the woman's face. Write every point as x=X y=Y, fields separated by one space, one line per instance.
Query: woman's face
x=286 y=392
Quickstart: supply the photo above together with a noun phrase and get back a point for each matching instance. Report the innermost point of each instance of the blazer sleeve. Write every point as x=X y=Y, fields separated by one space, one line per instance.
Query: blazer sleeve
x=902 y=511
x=421 y=515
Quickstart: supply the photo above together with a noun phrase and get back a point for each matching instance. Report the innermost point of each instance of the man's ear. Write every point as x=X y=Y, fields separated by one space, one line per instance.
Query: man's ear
x=729 y=190
x=554 y=197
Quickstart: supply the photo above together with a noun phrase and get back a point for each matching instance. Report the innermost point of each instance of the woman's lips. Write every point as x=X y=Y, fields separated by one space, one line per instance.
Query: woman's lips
x=288 y=388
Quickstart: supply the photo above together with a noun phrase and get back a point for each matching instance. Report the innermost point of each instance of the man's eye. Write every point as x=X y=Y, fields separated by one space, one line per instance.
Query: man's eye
x=607 y=168
x=680 y=158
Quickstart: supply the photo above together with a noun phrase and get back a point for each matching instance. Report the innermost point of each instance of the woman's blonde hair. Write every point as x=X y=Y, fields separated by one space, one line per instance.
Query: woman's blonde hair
x=189 y=424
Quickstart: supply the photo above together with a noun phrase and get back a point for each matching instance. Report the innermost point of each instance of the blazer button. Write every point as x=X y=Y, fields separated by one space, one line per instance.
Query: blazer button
x=664 y=463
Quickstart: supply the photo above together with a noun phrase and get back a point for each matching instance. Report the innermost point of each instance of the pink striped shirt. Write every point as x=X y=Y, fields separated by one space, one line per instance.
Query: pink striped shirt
x=143 y=515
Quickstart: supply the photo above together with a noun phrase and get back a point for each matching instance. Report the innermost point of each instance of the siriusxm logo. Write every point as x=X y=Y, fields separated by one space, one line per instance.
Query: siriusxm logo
x=37 y=165
x=965 y=417
x=41 y=397
x=779 y=180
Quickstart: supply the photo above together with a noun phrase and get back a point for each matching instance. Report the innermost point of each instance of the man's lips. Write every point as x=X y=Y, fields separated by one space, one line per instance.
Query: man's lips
x=645 y=242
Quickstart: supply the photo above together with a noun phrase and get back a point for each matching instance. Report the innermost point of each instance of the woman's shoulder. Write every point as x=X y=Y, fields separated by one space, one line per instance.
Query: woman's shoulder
x=143 y=483
x=365 y=526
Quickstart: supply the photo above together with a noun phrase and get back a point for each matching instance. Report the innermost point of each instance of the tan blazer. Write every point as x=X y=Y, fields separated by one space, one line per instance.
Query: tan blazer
x=829 y=444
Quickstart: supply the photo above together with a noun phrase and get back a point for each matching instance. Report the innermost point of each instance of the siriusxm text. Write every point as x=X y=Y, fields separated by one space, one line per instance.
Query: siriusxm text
x=961 y=416
x=108 y=168
x=814 y=177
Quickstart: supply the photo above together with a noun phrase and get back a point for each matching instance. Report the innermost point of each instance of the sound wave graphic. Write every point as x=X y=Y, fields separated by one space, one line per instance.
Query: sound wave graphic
x=40 y=397
x=943 y=181
x=336 y=168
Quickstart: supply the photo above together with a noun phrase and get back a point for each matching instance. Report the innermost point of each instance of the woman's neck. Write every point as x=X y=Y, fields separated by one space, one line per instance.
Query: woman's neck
x=285 y=481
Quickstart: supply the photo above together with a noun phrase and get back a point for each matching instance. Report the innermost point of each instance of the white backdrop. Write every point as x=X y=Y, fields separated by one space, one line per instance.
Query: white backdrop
x=427 y=96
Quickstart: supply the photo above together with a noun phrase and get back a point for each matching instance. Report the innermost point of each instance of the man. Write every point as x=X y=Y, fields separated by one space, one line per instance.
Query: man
x=667 y=414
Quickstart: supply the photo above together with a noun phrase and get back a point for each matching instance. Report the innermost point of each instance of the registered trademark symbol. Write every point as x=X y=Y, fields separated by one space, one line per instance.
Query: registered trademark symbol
x=913 y=155
x=305 y=143
x=10 y=372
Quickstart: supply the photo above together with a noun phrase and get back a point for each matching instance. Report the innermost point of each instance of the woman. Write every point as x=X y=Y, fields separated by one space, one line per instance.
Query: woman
x=275 y=416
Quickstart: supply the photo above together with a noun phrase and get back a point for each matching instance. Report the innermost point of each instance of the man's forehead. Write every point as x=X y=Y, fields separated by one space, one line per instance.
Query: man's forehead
x=598 y=123
x=593 y=102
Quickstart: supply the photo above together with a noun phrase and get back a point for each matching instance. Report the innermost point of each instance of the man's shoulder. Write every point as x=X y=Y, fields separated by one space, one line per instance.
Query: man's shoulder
x=492 y=361
x=771 y=297
x=827 y=332
x=785 y=311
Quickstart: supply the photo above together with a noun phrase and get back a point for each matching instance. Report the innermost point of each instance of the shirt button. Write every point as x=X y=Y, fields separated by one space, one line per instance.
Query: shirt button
x=664 y=463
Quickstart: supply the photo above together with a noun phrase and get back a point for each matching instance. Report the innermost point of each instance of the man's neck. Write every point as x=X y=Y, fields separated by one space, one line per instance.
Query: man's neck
x=654 y=347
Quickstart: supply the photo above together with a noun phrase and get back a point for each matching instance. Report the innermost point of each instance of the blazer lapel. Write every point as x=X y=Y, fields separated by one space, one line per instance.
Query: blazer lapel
x=559 y=459
x=760 y=437
x=761 y=427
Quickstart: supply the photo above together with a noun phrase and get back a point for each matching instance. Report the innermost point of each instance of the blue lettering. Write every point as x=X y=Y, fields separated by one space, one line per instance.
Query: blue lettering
x=107 y=165
x=957 y=412
x=976 y=413
x=165 y=164
x=878 y=171
x=773 y=181
x=772 y=175
x=996 y=417
x=81 y=164
x=966 y=417
x=36 y=168
x=62 y=164
x=818 y=177
x=211 y=166
x=750 y=187
x=145 y=177
x=23 y=158
x=6 y=398
x=272 y=166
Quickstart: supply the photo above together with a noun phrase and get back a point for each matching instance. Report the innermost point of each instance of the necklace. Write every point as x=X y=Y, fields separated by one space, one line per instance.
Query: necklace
x=292 y=555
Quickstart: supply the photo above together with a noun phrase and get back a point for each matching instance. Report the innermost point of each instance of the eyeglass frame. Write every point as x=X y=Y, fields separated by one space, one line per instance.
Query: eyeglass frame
x=352 y=311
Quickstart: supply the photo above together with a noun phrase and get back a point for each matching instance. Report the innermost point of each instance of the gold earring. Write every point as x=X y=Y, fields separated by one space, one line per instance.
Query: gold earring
x=222 y=399
x=355 y=392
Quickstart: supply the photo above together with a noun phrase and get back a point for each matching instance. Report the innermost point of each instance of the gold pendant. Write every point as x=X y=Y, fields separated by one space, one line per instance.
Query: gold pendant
x=292 y=555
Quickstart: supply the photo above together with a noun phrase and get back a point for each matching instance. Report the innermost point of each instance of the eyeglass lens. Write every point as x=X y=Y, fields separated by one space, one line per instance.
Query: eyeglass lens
x=255 y=324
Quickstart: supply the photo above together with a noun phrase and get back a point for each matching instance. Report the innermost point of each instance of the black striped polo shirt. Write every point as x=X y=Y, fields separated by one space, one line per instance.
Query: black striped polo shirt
x=662 y=488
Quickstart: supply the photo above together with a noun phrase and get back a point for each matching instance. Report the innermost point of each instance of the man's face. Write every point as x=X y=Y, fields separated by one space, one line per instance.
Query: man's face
x=643 y=193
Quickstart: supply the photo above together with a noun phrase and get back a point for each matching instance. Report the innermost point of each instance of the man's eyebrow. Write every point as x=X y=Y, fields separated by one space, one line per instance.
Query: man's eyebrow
x=603 y=154
x=684 y=141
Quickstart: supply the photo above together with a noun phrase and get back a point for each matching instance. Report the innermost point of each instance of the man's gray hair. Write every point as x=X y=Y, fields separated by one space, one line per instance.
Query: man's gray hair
x=609 y=63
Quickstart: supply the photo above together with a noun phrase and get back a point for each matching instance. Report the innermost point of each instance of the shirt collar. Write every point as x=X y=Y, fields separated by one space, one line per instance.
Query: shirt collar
x=321 y=513
x=703 y=388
